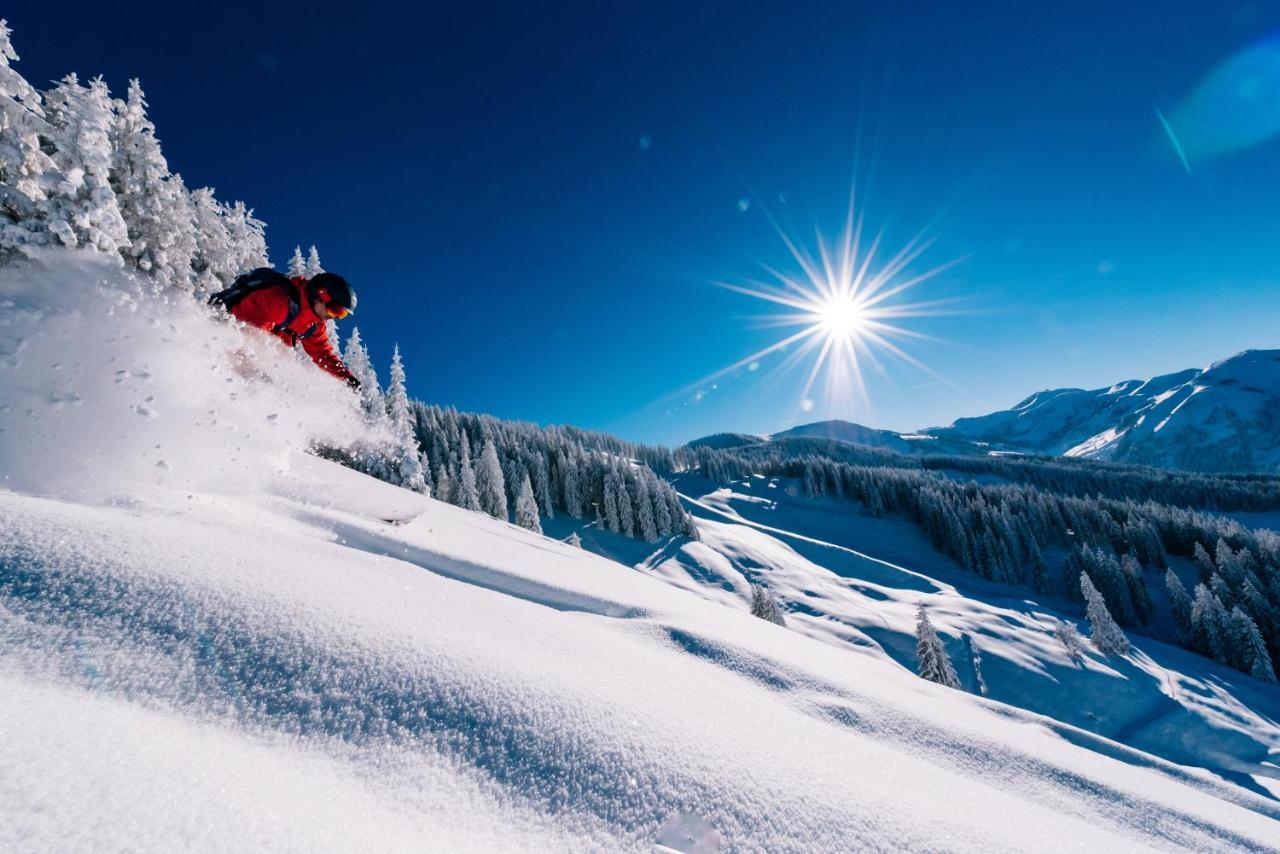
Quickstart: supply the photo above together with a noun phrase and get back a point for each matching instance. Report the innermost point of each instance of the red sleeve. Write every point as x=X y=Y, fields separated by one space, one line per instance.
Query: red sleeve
x=321 y=352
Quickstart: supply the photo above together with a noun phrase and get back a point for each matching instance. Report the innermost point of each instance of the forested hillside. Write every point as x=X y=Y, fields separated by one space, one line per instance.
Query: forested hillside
x=1050 y=523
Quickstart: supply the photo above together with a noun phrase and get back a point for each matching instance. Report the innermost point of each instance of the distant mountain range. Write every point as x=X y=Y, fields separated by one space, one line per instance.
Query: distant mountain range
x=1225 y=417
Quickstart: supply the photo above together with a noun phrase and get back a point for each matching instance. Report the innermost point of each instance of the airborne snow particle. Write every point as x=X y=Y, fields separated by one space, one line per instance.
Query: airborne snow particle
x=806 y=405
x=646 y=141
x=744 y=204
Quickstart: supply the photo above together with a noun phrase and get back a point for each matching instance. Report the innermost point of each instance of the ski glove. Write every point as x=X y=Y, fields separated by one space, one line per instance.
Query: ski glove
x=354 y=383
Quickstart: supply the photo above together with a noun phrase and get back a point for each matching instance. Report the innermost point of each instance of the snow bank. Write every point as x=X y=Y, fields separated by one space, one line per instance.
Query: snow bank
x=106 y=381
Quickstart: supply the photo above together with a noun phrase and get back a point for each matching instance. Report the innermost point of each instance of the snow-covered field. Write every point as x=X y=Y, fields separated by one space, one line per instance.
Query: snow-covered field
x=246 y=657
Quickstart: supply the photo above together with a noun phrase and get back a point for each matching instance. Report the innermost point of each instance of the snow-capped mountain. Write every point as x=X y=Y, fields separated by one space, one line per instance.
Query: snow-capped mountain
x=1225 y=417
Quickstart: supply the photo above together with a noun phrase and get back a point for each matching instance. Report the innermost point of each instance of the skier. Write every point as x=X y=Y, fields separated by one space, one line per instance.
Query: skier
x=293 y=309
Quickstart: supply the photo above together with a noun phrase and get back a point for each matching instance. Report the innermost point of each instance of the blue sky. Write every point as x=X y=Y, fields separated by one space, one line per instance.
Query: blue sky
x=533 y=200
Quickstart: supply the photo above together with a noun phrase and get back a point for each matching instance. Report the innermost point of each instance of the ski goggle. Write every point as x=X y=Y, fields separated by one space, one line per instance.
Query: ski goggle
x=337 y=312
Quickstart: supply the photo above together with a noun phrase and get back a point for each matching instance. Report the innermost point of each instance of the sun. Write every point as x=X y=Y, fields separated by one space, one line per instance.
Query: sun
x=842 y=317
x=847 y=300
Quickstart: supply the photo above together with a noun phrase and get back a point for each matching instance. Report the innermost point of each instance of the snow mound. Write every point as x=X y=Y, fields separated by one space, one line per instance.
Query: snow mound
x=111 y=382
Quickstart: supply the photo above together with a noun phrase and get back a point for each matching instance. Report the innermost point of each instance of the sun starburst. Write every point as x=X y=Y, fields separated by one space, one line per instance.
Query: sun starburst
x=847 y=300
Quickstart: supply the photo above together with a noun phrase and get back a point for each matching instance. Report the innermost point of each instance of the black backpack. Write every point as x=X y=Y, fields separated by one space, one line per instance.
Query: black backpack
x=259 y=280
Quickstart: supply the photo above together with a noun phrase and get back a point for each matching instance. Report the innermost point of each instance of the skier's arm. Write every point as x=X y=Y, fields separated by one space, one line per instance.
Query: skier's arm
x=321 y=352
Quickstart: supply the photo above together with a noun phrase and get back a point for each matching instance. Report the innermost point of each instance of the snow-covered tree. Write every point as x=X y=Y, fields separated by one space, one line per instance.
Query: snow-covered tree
x=405 y=458
x=646 y=527
x=297 y=264
x=611 y=519
x=443 y=490
x=1103 y=631
x=574 y=540
x=527 y=506
x=1180 y=602
x=1209 y=624
x=248 y=238
x=313 y=267
x=1251 y=650
x=1069 y=637
x=626 y=510
x=358 y=362
x=83 y=210
x=1204 y=563
x=491 y=483
x=26 y=170
x=662 y=515
x=468 y=495
x=765 y=605
x=934 y=663
x=215 y=261
x=156 y=209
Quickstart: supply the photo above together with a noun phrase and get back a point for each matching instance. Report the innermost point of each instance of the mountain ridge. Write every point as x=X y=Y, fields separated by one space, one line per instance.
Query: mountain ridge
x=1221 y=418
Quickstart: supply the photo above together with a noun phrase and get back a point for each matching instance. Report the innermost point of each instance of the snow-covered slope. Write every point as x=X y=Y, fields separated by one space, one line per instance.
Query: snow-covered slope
x=191 y=660
x=1225 y=417
x=854 y=580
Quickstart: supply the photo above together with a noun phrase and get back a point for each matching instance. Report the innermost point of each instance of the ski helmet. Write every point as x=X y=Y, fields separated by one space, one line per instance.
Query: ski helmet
x=335 y=292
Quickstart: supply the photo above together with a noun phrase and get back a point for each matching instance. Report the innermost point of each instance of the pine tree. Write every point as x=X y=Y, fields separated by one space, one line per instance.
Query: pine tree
x=83 y=206
x=1180 y=603
x=405 y=456
x=1040 y=580
x=611 y=519
x=490 y=482
x=247 y=237
x=1208 y=624
x=26 y=171
x=567 y=467
x=646 y=527
x=1103 y=631
x=1131 y=571
x=1070 y=638
x=1254 y=658
x=443 y=490
x=312 y=268
x=155 y=208
x=357 y=360
x=662 y=515
x=765 y=606
x=215 y=261
x=574 y=540
x=1238 y=629
x=468 y=495
x=934 y=663
x=527 y=507
x=626 y=510
x=297 y=265
x=1204 y=563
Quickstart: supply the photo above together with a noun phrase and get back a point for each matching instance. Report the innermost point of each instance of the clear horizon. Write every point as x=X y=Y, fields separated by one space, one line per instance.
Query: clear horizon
x=537 y=205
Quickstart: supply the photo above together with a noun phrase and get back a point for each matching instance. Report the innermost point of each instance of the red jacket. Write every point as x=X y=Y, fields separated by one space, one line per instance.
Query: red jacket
x=268 y=308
